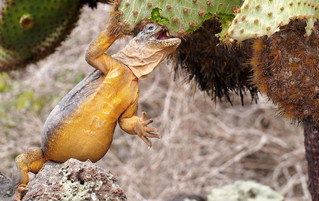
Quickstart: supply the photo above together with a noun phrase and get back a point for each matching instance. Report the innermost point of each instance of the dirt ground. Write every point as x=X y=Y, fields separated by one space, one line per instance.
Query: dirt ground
x=204 y=144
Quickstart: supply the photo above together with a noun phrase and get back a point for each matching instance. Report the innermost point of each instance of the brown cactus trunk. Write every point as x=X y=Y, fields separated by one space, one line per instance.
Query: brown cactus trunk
x=312 y=155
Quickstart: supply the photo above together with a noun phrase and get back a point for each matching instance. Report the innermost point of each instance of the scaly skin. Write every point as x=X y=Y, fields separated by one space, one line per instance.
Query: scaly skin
x=81 y=126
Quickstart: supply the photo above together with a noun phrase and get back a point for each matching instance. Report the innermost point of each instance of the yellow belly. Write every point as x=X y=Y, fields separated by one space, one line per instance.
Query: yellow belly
x=82 y=144
x=87 y=132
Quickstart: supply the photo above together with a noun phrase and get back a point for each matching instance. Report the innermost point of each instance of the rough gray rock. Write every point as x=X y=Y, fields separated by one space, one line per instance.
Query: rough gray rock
x=6 y=190
x=244 y=191
x=188 y=197
x=74 y=180
x=238 y=191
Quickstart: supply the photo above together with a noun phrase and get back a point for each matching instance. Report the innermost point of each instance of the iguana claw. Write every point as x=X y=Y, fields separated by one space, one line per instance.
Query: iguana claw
x=20 y=192
x=144 y=132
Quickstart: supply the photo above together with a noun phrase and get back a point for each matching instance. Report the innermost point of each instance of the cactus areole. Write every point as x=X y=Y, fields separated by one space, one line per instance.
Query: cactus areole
x=180 y=17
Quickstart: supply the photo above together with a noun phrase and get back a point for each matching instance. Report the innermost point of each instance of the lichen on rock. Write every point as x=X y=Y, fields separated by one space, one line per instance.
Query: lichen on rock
x=74 y=180
x=244 y=191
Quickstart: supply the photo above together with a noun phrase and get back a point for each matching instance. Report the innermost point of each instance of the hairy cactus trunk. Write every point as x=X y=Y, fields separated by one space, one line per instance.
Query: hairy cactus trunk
x=312 y=156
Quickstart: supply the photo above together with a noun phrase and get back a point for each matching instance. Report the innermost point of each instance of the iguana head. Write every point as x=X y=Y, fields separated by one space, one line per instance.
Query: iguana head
x=156 y=37
x=147 y=50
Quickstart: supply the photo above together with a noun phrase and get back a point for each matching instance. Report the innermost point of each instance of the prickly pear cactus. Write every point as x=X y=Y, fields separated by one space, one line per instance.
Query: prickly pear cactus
x=260 y=17
x=180 y=16
x=32 y=29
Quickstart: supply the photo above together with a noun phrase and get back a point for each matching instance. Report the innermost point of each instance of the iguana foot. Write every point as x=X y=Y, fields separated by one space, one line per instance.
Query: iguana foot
x=145 y=132
x=20 y=192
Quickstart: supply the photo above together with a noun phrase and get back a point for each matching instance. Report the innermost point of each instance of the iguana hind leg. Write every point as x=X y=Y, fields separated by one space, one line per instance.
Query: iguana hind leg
x=30 y=161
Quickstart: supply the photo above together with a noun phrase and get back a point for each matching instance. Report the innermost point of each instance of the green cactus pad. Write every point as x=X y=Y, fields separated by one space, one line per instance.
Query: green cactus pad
x=180 y=16
x=46 y=16
x=259 y=17
x=32 y=29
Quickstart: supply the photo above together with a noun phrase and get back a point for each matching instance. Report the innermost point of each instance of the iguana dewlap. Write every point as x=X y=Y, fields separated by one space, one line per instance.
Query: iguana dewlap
x=81 y=126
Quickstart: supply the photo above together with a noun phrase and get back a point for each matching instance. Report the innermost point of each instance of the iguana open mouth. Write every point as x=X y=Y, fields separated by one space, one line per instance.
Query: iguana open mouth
x=161 y=38
x=162 y=35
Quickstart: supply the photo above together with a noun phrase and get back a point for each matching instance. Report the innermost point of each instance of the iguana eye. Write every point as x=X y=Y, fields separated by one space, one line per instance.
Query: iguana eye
x=151 y=28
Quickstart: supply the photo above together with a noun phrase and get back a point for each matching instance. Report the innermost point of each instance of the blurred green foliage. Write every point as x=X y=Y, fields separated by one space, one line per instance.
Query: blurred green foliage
x=78 y=78
x=14 y=97
x=13 y=100
x=66 y=77
x=3 y=82
x=25 y=100
x=5 y=117
x=28 y=100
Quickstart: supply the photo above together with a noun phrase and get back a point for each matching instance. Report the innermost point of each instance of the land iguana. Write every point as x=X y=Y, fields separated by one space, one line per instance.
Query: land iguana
x=82 y=125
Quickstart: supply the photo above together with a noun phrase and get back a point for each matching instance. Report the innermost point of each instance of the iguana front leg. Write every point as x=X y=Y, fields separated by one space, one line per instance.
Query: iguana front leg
x=95 y=55
x=135 y=125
